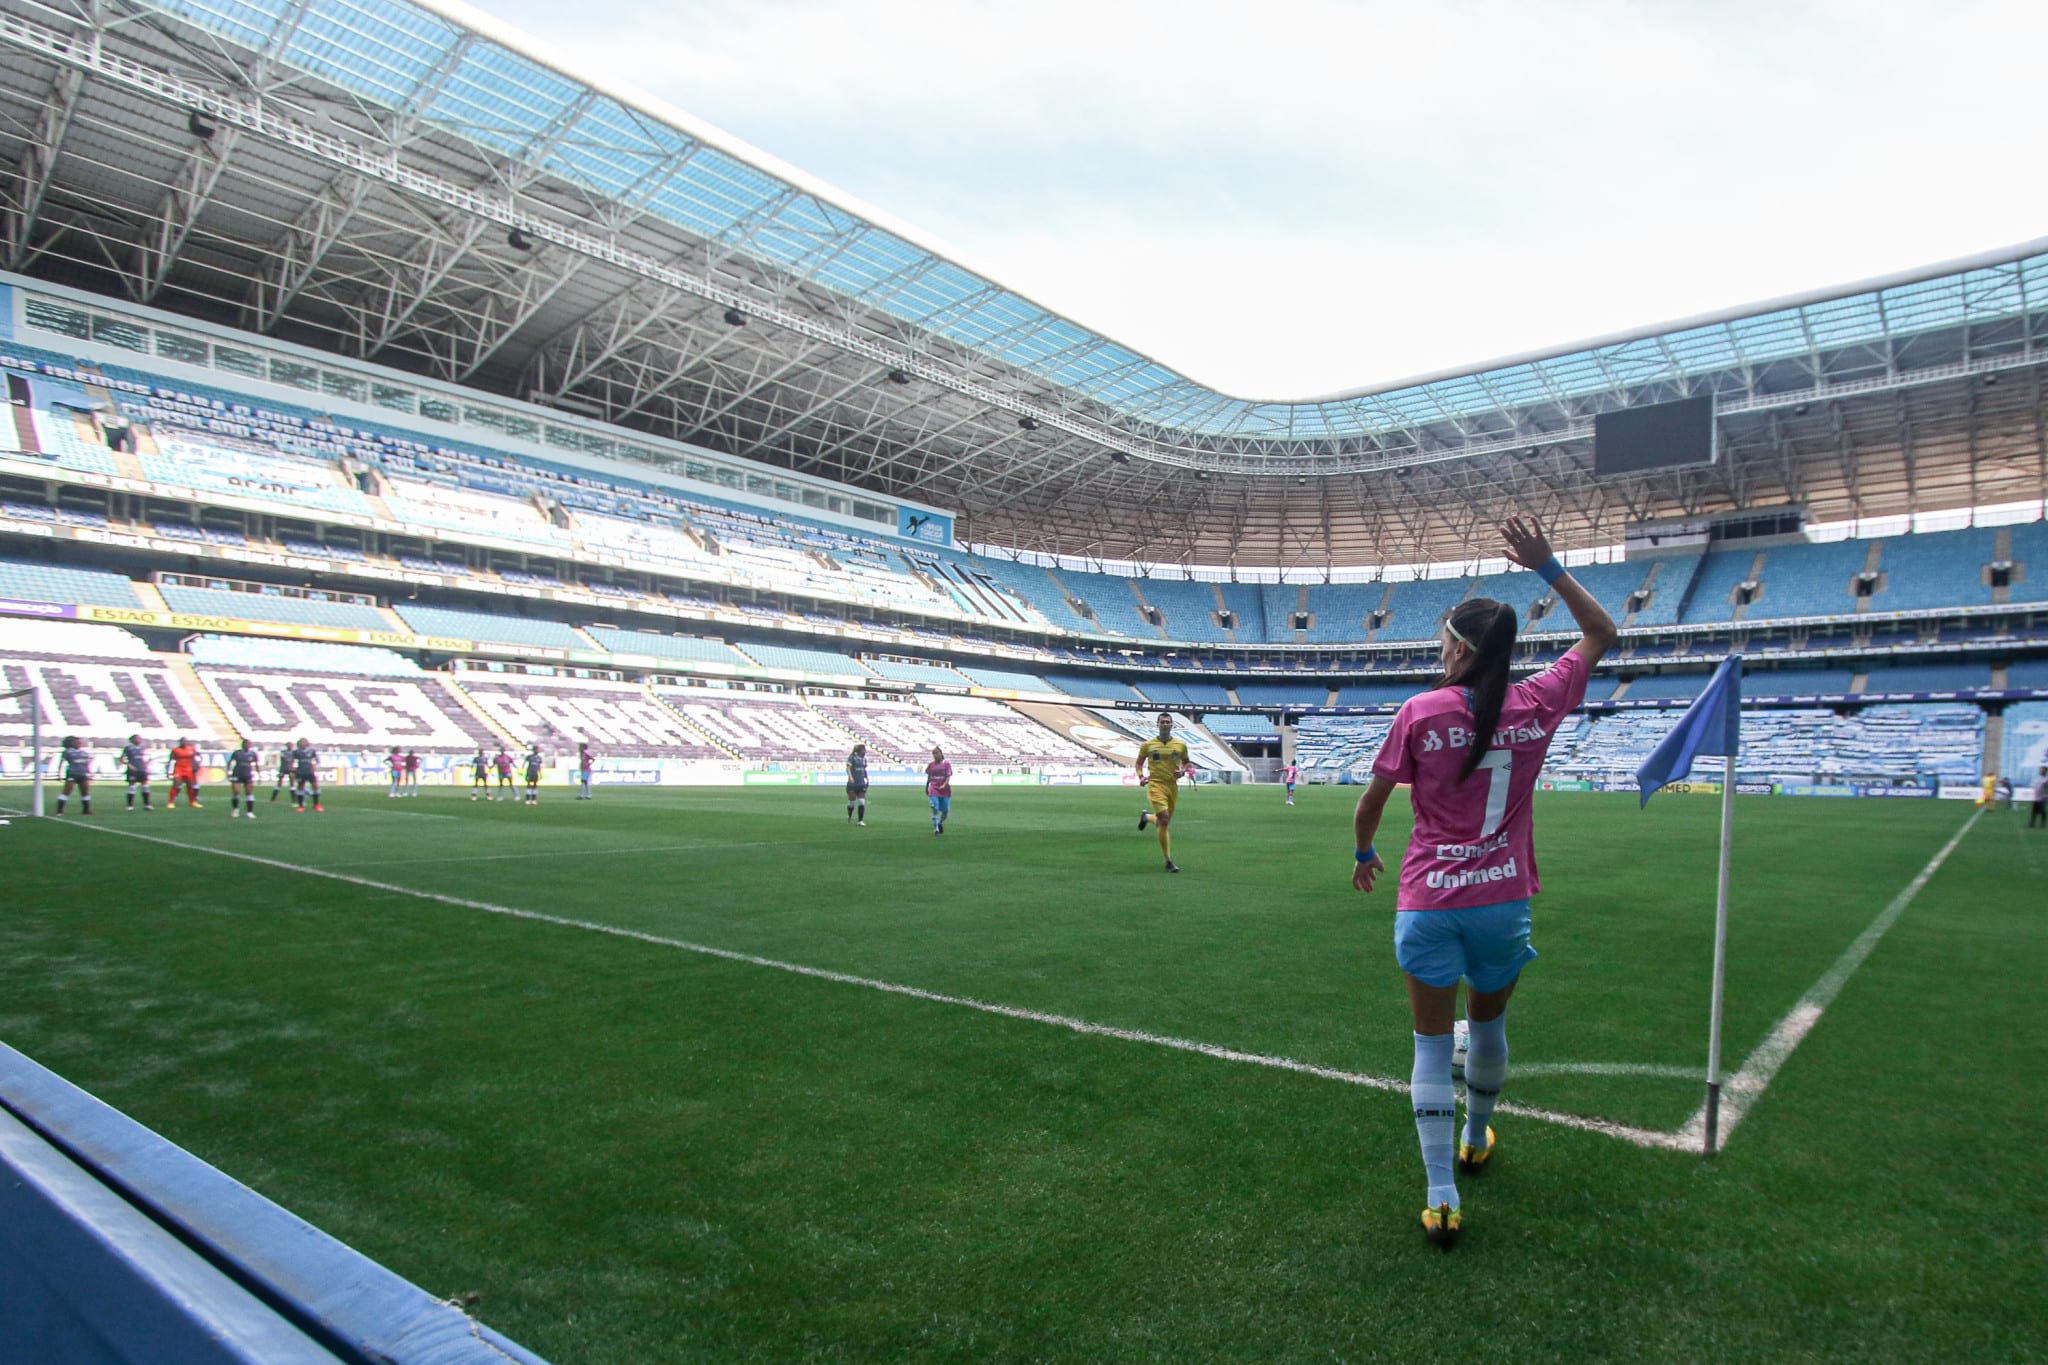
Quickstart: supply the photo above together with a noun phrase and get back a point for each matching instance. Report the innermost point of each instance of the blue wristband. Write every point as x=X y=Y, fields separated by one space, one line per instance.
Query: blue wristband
x=1551 y=571
x=1366 y=856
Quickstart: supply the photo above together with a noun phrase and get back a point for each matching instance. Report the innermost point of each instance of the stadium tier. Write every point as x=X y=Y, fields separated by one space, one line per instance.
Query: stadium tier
x=760 y=726
x=1338 y=744
x=478 y=625
x=619 y=720
x=33 y=582
x=986 y=727
x=903 y=732
x=915 y=673
x=1006 y=680
x=366 y=712
x=683 y=648
x=273 y=606
x=2025 y=747
x=300 y=656
x=97 y=682
x=802 y=660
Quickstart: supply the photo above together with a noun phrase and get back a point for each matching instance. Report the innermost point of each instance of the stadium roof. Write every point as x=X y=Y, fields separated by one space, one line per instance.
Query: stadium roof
x=414 y=185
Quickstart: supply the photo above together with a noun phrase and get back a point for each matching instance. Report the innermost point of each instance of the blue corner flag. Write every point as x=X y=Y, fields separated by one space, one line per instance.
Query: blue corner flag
x=1711 y=727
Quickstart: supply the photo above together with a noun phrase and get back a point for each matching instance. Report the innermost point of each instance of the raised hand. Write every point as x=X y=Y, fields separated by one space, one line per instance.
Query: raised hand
x=1526 y=543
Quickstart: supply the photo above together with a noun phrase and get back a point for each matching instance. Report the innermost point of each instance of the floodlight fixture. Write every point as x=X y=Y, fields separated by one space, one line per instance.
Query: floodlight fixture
x=1027 y=423
x=734 y=317
x=200 y=126
x=1119 y=457
x=518 y=240
x=899 y=376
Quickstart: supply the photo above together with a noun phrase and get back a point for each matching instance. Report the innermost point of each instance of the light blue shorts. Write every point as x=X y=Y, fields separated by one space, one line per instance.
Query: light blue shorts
x=1487 y=945
x=942 y=805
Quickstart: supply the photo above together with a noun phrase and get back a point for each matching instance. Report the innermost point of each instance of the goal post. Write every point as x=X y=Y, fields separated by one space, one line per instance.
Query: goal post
x=32 y=699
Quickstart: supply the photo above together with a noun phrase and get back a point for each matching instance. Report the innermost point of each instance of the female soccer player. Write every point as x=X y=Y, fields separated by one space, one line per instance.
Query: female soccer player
x=479 y=775
x=135 y=758
x=242 y=765
x=586 y=763
x=1469 y=751
x=857 y=786
x=938 y=785
x=184 y=774
x=394 y=762
x=77 y=761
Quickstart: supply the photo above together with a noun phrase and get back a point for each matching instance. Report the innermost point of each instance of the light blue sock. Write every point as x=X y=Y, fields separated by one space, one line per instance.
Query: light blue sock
x=1436 y=1114
x=1486 y=1069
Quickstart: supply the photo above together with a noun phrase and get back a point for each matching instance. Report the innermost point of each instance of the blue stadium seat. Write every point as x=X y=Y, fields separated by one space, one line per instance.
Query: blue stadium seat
x=33 y=582
x=264 y=606
x=479 y=625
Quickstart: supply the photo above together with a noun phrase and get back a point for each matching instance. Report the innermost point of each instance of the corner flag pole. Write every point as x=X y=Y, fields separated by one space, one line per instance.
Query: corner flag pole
x=1720 y=955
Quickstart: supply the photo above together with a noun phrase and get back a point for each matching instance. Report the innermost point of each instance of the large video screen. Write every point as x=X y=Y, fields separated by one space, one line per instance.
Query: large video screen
x=1655 y=437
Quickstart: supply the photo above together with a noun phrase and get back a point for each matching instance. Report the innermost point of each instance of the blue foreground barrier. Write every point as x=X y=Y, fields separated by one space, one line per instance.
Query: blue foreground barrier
x=117 y=1245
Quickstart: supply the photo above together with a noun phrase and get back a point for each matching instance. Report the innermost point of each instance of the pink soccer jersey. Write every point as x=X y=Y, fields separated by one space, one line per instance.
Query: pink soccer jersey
x=1474 y=839
x=938 y=779
x=1290 y=774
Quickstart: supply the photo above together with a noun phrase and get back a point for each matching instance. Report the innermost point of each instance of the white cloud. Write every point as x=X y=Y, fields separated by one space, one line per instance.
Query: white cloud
x=1302 y=197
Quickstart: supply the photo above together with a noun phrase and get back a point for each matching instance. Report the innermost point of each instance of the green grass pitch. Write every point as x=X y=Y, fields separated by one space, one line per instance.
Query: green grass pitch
x=636 y=1152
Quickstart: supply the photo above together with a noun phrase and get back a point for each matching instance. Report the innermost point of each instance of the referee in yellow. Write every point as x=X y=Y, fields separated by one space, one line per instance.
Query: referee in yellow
x=1161 y=761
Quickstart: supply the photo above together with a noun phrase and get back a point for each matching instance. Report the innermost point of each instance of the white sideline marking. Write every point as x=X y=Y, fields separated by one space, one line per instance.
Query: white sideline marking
x=1743 y=1090
x=545 y=853
x=1642 y=1137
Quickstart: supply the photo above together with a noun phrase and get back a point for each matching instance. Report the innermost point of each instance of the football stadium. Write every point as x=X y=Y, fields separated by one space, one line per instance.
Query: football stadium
x=698 y=657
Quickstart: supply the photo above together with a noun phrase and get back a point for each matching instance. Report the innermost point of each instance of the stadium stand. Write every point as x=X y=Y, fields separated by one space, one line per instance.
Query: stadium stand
x=801 y=660
x=33 y=582
x=1888 y=744
x=213 y=465
x=1339 y=612
x=98 y=682
x=619 y=720
x=1929 y=677
x=367 y=709
x=914 y=673
x=1188 y=606
x=690 y=648
x=2025 y=746
x=1173 y=693
x=1809 y=580
x=759 y=726
x=984 y=726
x=272 y=606
x=1115 y=608
x=300 y=656
x=1934 y=569
x=2030 y=558
x=1665 y=687
x=1004 y=679
x=2027 y=673
x=1031 y=584
x=1415 y=610
x=1093 y=685
x=1281 y=694
x=1379 y=694
x=1338 y=744
x=479 y=625
x=1246 y=603
x=903 y=732
x=1798 y=682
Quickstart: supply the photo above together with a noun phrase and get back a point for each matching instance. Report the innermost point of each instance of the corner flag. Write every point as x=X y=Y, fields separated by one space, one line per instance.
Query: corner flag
x=1710 y=728
x=1712 y=725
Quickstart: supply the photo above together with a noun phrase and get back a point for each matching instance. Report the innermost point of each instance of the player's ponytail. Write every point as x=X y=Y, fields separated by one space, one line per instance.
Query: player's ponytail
x=1489 y=629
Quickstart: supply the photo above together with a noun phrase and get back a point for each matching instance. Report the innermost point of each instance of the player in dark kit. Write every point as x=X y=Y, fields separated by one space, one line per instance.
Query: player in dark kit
x=284 y=771
x=242 y=766
x=533 y=776
x=479 y=775
x=135 y=758
x=857 y=785
x=412 y=772
x=305 y=777
x=77 y=762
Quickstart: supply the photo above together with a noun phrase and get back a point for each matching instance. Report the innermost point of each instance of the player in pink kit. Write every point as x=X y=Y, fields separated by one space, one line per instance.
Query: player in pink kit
x=938 y=786
x=1469 y=751
x=1290 y=775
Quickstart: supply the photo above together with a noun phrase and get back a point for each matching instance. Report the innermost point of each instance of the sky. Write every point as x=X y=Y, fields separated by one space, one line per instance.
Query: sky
x=1297 y=197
